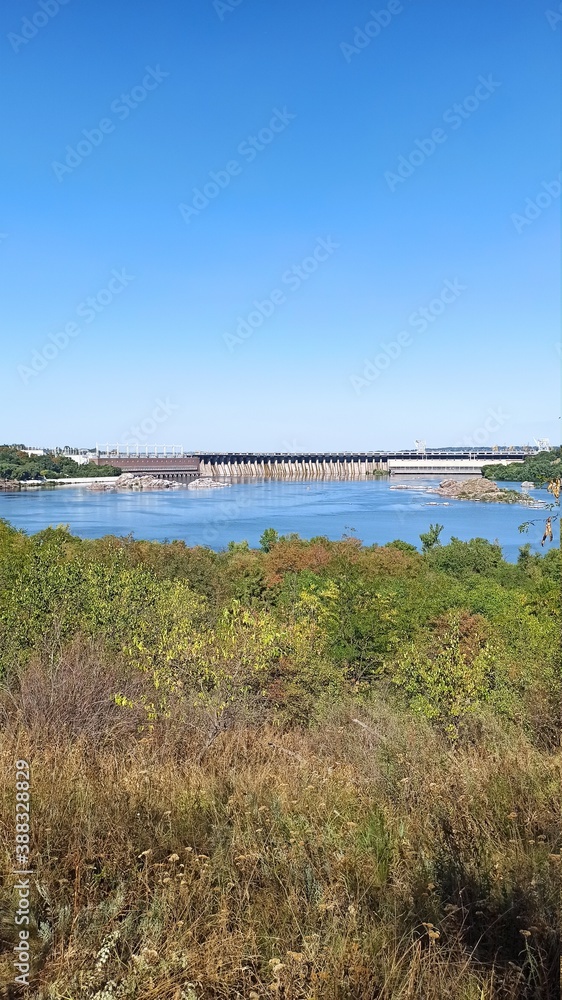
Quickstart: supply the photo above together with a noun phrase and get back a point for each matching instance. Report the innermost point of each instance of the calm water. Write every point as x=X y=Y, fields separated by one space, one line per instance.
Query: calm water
x=367 y=509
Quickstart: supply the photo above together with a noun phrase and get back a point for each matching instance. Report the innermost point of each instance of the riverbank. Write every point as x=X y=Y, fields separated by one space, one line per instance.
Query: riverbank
x=86 y=481
x=30 y=484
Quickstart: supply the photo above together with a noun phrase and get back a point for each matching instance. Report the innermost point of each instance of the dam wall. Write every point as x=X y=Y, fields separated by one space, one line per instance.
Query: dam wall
x=175 y=463
x=293 y=467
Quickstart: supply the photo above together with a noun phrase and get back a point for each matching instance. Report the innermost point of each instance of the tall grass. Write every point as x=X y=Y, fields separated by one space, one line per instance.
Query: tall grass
x=361 y=857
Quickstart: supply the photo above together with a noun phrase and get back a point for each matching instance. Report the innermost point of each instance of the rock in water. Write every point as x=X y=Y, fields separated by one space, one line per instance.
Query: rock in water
x=134 y=481
x=469 y=489
x=206 y=483
x=480 y=489
x=130 y=481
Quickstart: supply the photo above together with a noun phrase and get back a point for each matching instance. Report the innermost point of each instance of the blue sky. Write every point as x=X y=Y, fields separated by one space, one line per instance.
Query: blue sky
x=375 y=192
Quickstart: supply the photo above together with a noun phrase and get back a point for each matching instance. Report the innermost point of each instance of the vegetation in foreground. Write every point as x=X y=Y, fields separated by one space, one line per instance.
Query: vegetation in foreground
x=538 y=469
x=317 y=770
x=16 y=464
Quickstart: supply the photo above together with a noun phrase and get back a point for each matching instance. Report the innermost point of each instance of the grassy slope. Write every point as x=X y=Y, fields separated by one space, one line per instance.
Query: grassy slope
x=324 y=839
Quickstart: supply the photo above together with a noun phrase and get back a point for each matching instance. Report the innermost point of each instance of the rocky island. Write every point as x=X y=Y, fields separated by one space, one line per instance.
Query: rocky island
x=475 y=489
x=132 y=481
x=481 y=490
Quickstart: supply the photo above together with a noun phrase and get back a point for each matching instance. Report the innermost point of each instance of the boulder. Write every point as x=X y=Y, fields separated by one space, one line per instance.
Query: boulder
x=206 y=483
x=132 y=481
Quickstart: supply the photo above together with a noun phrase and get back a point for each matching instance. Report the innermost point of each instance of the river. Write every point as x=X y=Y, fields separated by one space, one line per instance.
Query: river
x=366 y=509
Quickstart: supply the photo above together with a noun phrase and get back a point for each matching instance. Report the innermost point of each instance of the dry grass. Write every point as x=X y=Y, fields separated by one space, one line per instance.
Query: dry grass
x=360 y=859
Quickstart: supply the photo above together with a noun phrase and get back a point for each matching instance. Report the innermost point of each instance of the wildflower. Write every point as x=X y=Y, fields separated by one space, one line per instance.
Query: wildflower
x=149 y=955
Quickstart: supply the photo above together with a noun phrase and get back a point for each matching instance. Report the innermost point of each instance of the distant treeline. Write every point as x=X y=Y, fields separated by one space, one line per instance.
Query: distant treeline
x=17 y=464
x=538 y=469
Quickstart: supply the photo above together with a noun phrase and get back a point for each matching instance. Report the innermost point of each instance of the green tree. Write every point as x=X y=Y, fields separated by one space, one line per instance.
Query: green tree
x=538 y=469
x=430 y=539
x=269 y=538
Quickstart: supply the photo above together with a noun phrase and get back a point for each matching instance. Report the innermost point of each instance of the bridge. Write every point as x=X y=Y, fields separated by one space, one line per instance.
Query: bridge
x=172 y=462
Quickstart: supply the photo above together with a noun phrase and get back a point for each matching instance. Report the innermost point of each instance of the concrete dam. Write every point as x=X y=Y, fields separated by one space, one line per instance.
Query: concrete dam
x=174 y=463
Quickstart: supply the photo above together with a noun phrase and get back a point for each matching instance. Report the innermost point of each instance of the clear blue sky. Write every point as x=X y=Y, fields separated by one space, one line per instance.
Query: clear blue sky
x=342 y=361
